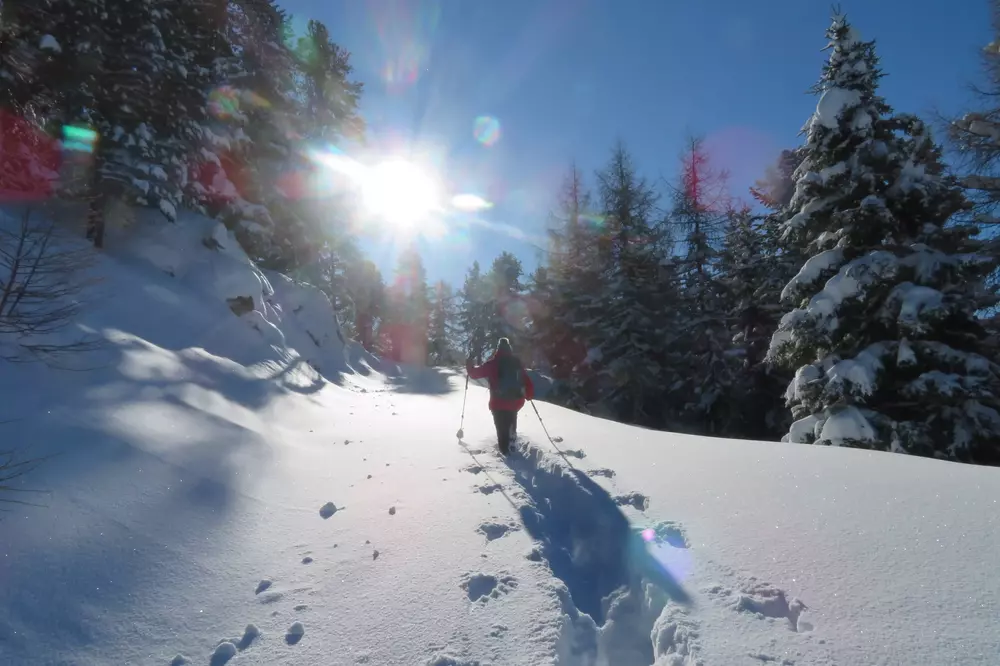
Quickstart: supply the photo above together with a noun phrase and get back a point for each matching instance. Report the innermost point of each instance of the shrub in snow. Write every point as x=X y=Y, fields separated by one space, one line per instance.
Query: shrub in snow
x=883 y=336
x=42 y=278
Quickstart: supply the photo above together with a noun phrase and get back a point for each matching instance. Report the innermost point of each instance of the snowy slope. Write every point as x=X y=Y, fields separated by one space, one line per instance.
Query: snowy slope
x=187 y=516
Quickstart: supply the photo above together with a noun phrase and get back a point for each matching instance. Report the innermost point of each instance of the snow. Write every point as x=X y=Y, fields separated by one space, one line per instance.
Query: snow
x=181 y=522
x=849 y=282
x=847 y=425
x=832 y=104
x=859 y=372
x=811 y=271
x=905 y=354
x=49 y=43
x=916 y=304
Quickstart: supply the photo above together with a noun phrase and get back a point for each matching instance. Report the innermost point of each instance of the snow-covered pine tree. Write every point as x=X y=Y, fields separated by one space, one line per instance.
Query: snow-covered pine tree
x=776 y=188
x=49 y=66
x=156 y=67
x=630 y=334
x=701 y=341
x=746 y=269
x=883 y=335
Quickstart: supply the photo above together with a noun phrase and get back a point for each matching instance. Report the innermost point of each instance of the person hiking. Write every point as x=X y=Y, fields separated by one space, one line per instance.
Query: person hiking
x=510 y=386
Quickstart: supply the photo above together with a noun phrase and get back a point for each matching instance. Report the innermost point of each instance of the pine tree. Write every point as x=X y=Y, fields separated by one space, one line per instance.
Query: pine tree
x=776 y=188
x=883 y=335
x=508 y=312
x=330 y=97
x=539 y=326
x=366 y=291
x=700 y=353
x=442 y=335
x=746 y=266
x=474 y=316
x=630 y=343
x=570 y=328
x=407 y=314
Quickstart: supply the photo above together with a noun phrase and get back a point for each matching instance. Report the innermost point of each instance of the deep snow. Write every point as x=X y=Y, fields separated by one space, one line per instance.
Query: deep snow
x=251 y=490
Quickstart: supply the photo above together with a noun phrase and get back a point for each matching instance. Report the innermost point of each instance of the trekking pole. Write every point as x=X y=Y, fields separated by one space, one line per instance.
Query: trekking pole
x=546 y=430
x=461 y=428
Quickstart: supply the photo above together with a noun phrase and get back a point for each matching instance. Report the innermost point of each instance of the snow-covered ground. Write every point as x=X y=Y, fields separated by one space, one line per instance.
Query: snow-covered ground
x=251 y=490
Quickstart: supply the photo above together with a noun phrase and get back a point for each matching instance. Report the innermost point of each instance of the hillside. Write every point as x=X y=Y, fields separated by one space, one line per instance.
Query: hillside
x=254 y=490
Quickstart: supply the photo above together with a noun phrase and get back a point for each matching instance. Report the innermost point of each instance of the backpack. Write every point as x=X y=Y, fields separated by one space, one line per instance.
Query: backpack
x=510 y=386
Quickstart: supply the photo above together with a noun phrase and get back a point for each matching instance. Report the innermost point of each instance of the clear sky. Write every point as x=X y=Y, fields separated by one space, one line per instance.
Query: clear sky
x=562 y=79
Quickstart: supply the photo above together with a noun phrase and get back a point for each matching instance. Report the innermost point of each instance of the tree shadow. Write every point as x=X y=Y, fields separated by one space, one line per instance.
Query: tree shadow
x=119 y=523
x=588 y=542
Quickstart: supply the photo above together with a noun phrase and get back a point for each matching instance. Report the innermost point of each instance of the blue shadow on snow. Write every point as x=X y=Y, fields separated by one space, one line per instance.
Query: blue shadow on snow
x=586 y=539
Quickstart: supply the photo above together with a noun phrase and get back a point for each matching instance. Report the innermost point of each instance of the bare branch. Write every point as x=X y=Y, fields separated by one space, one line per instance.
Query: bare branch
x=42 y=278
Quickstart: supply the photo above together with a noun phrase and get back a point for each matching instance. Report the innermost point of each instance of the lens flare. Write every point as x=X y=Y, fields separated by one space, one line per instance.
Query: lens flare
x=486 y=129
x=228 y=103
x=470 y=203
x=79 y=139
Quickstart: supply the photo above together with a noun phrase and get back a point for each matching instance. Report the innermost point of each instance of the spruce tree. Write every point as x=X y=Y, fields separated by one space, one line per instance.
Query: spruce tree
x=883 y=336
x=570 y=328
x=406 y=319
x=628 y=356
x=508 y=312
x=474 y=316
x=441 y=338
x=699 y=354
x=366 y=291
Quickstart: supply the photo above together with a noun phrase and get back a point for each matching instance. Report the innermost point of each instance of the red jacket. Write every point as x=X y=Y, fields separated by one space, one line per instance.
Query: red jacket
x=489 y=371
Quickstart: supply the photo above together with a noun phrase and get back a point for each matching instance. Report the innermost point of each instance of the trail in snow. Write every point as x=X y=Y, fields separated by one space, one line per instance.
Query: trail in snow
x=624 y=602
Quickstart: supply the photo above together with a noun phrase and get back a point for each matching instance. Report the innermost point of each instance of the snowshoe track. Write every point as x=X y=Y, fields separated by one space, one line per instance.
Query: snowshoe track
x=611 y=590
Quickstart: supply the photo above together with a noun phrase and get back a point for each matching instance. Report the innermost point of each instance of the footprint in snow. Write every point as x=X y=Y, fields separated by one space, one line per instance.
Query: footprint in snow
x=262 y=585
x=246 y=640
x=179 y=660
x=295 y=633
x=767 y=601
x=223 y=653
x=604 y=471
x=637 y=501
x=307 y=560
x=227 y=648
x=473 y=469
x=328 y=510
x=489 y=488
x=574 y=453
x=482 y=587
x=493 y=530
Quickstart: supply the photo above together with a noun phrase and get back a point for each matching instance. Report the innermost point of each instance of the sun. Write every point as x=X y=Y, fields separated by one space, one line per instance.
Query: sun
x=399 y=192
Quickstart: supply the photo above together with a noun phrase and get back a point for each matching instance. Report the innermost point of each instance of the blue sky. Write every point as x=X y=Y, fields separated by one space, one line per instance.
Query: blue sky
x=565 y=78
